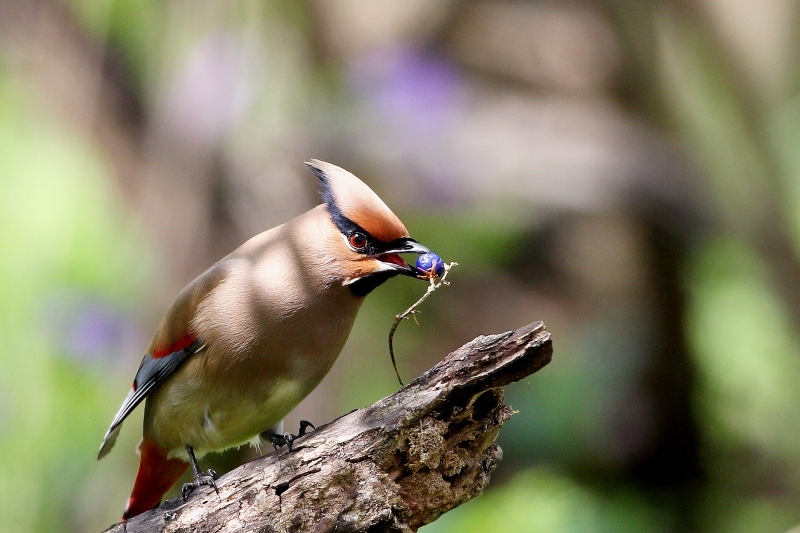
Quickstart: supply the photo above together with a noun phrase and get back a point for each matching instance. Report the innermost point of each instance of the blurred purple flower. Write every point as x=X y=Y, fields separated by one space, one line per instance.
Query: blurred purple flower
x=90 y=330
x=418 y=91
x=211 y=93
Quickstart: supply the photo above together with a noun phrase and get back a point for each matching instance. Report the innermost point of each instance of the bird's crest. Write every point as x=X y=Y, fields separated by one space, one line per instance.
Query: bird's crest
x=351 y=201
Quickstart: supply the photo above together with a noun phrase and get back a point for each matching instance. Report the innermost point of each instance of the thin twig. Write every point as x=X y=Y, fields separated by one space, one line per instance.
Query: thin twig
x=435 y=283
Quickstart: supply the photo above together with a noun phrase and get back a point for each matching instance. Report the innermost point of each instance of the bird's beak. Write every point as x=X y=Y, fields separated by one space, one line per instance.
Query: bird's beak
x=391 y=258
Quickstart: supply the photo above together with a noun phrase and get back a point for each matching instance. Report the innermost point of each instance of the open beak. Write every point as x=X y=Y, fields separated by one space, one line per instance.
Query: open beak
x=402 y=246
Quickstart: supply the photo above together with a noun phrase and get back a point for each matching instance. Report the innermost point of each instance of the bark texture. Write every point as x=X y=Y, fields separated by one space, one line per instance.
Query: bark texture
x=393 y=466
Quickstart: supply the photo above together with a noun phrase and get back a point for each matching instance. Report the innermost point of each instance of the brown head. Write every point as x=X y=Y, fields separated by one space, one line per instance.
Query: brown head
x=371 y=235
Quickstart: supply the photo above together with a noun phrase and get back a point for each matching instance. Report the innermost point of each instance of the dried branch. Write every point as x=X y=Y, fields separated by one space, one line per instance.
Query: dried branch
x=393 y=466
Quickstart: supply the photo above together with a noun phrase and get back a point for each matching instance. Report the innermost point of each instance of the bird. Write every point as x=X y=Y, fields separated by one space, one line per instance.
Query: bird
x=250 y=337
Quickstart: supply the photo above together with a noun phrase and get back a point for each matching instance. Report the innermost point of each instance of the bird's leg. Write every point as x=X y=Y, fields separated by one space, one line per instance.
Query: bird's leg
x=286 y=439
x=209 y=479
x=304 y=425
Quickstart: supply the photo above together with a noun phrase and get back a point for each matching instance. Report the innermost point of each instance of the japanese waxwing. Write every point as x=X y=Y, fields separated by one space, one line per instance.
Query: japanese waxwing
x=248 y=339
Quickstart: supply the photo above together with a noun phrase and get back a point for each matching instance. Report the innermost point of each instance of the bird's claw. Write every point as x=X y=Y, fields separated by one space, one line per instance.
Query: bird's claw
x=277 y=440
x=208 y=479
x=304 y=425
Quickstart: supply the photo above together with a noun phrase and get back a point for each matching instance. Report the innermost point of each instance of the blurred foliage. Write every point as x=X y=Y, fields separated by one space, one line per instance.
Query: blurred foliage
x=69 y=252
x=539 y=501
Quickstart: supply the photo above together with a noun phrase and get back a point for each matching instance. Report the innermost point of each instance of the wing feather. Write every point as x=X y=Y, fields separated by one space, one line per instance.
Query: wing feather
x=172 y=344
x=152 y=372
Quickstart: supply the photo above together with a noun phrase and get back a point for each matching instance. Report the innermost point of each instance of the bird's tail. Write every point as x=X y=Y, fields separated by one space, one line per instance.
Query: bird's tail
x=157 y=474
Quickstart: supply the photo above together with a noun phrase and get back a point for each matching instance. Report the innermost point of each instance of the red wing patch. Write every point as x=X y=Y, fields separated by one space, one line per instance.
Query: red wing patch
x=176 y=346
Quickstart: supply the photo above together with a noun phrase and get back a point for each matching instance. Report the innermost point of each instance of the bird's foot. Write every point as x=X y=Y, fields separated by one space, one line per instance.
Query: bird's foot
x=209 y=479
x=286 y=439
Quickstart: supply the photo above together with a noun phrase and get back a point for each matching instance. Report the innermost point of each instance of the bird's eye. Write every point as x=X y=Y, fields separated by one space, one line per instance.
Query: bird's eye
x=358 y=240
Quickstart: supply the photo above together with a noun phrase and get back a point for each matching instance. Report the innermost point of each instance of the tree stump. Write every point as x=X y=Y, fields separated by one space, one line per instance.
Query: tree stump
x=391 y=467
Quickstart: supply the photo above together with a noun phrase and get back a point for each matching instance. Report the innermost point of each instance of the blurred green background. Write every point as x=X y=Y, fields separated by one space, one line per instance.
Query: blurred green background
x=627 y=171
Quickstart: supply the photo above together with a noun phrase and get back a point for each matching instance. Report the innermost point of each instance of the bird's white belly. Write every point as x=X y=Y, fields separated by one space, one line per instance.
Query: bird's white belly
x=240 y=418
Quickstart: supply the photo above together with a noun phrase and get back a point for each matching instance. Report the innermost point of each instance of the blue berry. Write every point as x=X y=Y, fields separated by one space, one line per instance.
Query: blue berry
x=429 y=265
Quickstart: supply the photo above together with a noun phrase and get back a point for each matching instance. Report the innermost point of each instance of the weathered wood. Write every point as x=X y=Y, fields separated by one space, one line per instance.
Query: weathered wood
x=393 y=466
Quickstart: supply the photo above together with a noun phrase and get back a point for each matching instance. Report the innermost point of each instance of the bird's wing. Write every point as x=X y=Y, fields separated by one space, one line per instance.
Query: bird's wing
x=173 y=343
x=152 y=372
